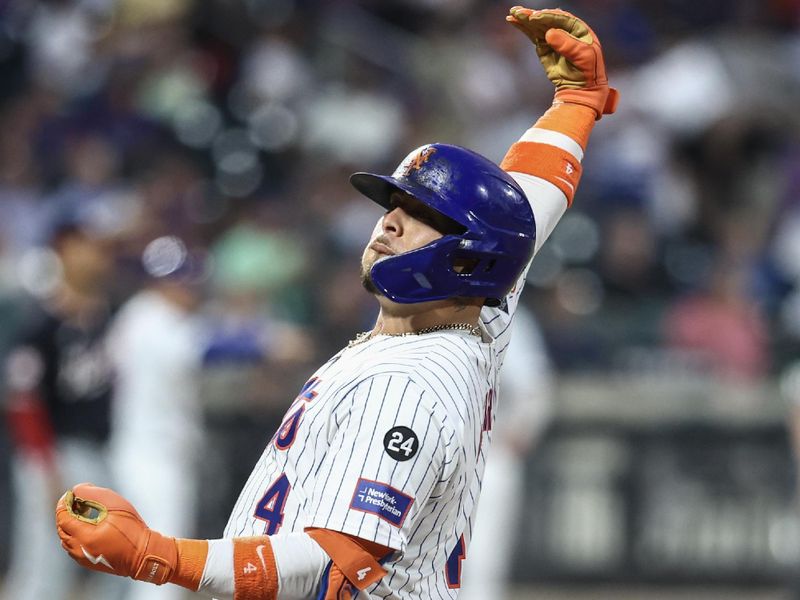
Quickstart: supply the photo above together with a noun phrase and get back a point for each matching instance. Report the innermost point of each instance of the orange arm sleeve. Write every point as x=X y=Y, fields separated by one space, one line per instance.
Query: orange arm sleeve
x=549 y=162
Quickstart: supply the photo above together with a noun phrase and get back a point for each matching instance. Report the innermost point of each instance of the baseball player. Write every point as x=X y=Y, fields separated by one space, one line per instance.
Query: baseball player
x=58 y=400
x=370 y=486
x=155 y=345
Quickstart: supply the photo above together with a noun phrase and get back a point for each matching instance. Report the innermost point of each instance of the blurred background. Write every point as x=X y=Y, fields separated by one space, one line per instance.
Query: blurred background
x=173 y=179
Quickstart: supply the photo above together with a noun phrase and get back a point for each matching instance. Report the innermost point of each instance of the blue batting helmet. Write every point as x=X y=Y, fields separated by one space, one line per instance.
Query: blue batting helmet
x=499 y=229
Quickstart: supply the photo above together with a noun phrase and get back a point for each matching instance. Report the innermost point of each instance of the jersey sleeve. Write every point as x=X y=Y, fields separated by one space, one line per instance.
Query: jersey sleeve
x=389 y=450
x=546 y=163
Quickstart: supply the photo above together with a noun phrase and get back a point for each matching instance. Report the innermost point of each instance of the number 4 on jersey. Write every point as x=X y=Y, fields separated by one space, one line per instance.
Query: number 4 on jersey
x=270 y=507
x=452 y=569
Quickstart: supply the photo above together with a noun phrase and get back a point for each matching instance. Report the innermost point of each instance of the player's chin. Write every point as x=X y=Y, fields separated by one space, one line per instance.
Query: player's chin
x=367 y=262
x=366 y=281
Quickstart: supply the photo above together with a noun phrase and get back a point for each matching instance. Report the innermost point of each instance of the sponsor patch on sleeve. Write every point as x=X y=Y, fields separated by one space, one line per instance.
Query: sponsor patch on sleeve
x=381 y=500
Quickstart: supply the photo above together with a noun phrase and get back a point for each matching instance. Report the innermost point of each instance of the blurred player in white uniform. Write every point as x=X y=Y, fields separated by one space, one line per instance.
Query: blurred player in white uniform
x=156 y=345
x=526 y=388
x=369 y=488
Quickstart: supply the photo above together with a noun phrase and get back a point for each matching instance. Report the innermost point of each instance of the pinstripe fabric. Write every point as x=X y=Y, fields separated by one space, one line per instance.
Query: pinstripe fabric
x=437 y=385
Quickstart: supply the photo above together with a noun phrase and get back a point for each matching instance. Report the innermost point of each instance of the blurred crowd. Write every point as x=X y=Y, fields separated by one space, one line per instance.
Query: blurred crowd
x=233 y=126
x=208 y=144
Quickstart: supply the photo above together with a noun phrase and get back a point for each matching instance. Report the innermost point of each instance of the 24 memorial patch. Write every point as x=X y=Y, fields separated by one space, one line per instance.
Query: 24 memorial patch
x=401 y=443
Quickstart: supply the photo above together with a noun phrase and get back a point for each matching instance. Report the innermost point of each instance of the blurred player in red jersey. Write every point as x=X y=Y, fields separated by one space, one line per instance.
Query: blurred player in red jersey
x=58 y=399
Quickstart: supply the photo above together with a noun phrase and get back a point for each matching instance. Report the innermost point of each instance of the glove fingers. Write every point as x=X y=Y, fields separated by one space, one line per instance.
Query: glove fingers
x=569 y=23
x=70 y=525
x=541 y=46
x=533 y=27
x=69 y=544
x=537 y=36
x=542 y=20
x=562 y=41
x=62 y=535
x=521 y=27
x=580 y=54
x=103 y=499
x=77 y=552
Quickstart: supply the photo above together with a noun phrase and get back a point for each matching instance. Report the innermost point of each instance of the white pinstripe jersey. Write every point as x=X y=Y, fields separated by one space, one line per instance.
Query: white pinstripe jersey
x=387 y=442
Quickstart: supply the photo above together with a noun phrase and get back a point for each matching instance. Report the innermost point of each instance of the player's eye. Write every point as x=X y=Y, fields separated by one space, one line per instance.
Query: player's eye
x=421 y=215
x=426 y=215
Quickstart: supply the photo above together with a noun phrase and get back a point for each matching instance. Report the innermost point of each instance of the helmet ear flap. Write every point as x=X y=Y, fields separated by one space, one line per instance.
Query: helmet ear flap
x=476 y=267
x=464 y=265
x=420 y=275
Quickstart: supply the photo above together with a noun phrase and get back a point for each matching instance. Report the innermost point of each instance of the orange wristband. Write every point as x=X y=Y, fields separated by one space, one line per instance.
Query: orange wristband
x=192 y=556
x=255 y=571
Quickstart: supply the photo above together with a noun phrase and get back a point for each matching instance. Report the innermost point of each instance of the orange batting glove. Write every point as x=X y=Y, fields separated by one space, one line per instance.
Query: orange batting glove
x=571 y=55
x=102 y=531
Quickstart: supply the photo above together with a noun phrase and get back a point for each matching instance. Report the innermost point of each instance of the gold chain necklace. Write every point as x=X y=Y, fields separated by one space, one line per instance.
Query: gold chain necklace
x=368 y=335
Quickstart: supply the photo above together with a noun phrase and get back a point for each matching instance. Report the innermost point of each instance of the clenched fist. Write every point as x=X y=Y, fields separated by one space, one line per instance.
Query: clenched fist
x=102 y=531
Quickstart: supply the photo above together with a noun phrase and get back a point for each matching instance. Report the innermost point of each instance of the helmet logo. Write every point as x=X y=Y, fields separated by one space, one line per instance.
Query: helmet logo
x=415 y=162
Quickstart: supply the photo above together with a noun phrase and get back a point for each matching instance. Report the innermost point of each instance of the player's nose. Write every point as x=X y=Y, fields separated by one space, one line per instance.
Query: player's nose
x=393 y=221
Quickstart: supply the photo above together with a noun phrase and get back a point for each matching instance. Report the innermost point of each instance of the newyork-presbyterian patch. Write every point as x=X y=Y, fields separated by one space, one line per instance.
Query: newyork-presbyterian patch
x=381 y=500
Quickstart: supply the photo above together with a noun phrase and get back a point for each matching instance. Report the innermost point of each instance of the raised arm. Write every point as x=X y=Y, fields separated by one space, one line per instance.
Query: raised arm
x=546 y=161
x=552 y=150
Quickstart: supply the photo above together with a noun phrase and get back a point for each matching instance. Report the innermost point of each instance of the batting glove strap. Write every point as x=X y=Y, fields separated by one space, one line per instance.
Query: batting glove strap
x=594 y=101
x=159 y=559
